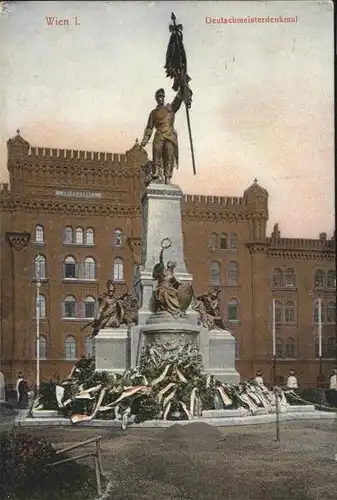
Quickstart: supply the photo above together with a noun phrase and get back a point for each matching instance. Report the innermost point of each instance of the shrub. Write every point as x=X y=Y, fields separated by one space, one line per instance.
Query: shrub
x=24 y=476
x=22 y=459
x=48 y=395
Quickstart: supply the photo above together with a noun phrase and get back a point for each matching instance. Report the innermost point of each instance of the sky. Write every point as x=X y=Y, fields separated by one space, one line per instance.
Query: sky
x=263 y=94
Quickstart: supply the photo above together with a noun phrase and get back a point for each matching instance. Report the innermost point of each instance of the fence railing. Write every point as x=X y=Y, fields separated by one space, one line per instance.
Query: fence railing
x=96 y=455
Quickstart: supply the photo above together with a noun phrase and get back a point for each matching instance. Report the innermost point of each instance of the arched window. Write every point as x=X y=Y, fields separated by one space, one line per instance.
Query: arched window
x=68 y=235
x=278 y=311
x=290 y=278
x=331 y=312
x=89 y=307
x=233 y=241
x=233 y=273
x=69 y=267
x=331 y=279
x=70 y=347
x=331 y=347
x=316 y=309
x=89 y=236
x=43 y=347
x=277 y=279
x=41 y=306
x=39 y=234
x=89 y=347
x=214 y=241
x=69 y=307
x=319 y=279
x=118 y=238
x=118 y=269
x=233 y=310
x=289 y=312
x=215 y=273
x=89 y=268
x=79 y=236
x=40 y=267
x=223 y=241
x=290 y=348
x=279 y=348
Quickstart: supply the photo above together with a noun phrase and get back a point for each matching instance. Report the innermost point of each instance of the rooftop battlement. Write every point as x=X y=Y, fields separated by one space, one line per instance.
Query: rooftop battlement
x=223 y=201
x=73 y=154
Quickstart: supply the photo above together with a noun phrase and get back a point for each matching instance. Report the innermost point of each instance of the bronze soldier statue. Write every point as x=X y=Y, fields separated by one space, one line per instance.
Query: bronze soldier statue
x=165 y=143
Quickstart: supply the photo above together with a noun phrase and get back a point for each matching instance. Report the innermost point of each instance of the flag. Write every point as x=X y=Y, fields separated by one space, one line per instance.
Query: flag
x=176 y=62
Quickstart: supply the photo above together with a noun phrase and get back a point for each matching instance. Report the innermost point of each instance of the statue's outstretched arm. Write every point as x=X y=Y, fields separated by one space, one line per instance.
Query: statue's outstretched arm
x=148 y=131
x=176 y=103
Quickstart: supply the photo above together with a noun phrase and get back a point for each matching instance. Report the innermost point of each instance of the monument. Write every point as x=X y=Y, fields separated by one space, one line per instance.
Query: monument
x=169 y=315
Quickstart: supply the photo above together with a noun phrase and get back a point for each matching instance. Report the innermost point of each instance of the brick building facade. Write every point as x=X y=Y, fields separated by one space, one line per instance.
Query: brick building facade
x=75 y=216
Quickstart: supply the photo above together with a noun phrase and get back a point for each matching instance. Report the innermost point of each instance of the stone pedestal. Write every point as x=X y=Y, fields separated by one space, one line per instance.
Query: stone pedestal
x=222 y=356
x=162 y=327
x=112 y=350
x=161 y=218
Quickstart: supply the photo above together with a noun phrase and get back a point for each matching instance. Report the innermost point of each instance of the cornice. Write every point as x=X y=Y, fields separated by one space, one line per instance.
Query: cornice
x=192 y=214
x=302 y=254
x=70 y=208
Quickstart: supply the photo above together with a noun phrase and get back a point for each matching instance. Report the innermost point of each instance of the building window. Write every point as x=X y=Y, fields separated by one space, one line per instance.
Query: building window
x=277 y=279
x=331 y=279
x=118 y=269
x=215 y=273
x=39 y=234
x=279 y=348
x=278 y=311
x=331 y=348
x=331 y=312
x=118 y=237
x=89 y=307
x=214 y=241
x=233 y=273
x=233 y=310
x=316 y=315
x=79 y=236
x=233 y=241
x=69 y=268
x=41 y=306
x=43 y=347
x=68 y=235
x=69 y=307
x=89 y=347
x=289 y=312
x=319 y=279
x=290 y=348
x=290 y=278
x=89 y=269
x=89 y=236
x=40 y=267
x=70 y=347
x=223 y=241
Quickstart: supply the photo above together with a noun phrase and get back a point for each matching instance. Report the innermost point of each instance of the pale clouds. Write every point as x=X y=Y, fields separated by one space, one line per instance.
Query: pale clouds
x=263 y=94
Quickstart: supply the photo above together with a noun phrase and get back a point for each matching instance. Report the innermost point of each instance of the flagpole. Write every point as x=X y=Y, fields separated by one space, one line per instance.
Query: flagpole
x=274 y=343
x=190 y=137
x=320 y=335
x=38 y=285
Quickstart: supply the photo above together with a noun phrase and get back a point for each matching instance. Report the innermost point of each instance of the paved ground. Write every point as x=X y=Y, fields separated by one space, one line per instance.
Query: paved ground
x=200 y=462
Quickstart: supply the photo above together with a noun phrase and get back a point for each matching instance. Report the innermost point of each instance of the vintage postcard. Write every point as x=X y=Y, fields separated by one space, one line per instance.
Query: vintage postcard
x=168 y=249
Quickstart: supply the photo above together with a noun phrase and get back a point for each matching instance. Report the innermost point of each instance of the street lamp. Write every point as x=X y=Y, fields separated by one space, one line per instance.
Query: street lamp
x=38 y=286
